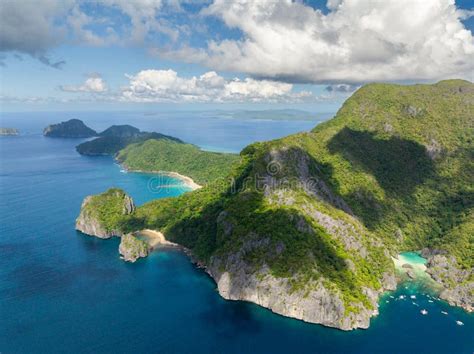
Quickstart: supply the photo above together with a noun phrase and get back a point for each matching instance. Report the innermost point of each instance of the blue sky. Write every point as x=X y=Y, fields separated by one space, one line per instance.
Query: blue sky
x=157 y=54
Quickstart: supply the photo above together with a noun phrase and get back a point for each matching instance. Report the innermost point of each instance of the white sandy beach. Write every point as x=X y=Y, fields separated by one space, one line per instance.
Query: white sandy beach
x=415 y=264
x=155 y=238
x=187 y=181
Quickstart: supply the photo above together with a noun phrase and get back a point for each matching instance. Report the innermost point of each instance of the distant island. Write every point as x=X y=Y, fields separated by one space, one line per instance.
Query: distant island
x=158 y=153
x=9 y=132
x=73 y=128
x=309 y=225
x=149 y=152
x=117 y=137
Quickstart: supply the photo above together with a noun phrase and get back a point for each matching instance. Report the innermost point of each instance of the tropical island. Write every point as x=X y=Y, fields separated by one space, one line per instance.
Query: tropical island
x=73 y=128
x=117 y=137
x=9 y=132
x=308 y=225
x=154 y=152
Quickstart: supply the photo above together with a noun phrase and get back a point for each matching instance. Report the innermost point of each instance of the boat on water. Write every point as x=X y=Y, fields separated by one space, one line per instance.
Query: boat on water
x=402 y=297
x=424 y=312
x=430 y=300
x=459 y=323
x=444 y=312
x=412 y=296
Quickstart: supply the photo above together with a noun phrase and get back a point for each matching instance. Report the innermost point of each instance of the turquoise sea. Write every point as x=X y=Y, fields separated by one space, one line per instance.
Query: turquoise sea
x=64 y=292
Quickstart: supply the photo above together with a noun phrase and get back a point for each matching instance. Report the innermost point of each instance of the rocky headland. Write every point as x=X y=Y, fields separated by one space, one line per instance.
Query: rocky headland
x=131 y=248
x=100 y=215
x=457 y=283
x=73 y=128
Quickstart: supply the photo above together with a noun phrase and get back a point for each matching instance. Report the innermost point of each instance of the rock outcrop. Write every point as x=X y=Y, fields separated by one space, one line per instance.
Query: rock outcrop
x=73 y=128
x=316 y=303
x=131 y=248
x=100 y=214
x=458 y=284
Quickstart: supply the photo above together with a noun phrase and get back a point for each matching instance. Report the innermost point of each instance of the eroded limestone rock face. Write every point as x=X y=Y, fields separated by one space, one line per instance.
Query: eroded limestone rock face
x=91 y=225
x=458 y=283
x=316 y=299
x=100 y=213
x=131 y=248
x=236 y=280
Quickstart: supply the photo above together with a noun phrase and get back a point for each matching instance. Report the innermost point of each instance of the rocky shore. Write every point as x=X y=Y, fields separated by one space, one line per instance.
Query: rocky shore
x=95 y=218
x=237 y=281
x=457 y=283
x=131 y=248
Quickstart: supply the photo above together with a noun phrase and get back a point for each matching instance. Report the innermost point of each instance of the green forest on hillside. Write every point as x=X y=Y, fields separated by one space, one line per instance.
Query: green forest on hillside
x=186 y=159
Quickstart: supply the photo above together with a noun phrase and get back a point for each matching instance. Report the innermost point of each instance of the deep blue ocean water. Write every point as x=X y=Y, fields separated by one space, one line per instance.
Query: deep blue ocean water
x=61 y=291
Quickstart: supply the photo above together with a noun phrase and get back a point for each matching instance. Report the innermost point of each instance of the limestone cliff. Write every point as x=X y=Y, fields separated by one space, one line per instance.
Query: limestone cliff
x=312 y=297
x=100 y=214
x=315 y=303
x=458 y=284
x=131 y=248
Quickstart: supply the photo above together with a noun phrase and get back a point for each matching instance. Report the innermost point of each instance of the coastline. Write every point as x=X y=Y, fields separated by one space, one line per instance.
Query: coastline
x=155 y=238
x=187 y=181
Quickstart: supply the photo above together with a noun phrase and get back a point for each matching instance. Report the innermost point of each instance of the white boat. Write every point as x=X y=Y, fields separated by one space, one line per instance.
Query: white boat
x=459 y=323
x=402 y=297
x=444 y=312
x=414 y=303
x=430 y=300
x=412 y=296
x=392 y=297
x=424 y=312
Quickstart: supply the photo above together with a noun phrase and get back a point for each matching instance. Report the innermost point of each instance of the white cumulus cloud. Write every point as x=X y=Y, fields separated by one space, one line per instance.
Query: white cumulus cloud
x=357 y=41
x=93 y=84
x=167 y=86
